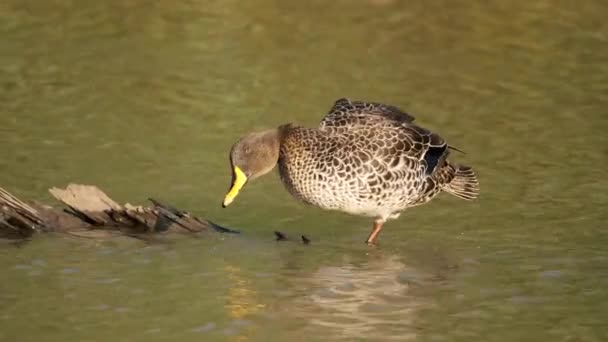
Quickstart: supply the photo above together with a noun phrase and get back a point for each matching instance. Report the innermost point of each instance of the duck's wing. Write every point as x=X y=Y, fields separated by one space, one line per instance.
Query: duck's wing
x=347 y=113
x=389 y=127
x=427 y=147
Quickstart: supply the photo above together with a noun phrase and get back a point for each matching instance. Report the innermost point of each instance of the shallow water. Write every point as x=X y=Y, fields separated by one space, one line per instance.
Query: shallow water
x=145 y=99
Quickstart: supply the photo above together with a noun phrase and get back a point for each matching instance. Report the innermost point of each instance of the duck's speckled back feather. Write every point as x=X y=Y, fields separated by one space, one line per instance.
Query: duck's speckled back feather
x=346 y=113
x=393 y=123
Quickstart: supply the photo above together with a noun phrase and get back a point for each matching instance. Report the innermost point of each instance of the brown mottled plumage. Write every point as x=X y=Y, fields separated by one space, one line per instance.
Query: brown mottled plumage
x=365 y=158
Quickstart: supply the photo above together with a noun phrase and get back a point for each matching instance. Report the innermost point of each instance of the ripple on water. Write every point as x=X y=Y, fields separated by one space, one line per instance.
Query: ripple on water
x=138 y=291
x=241 y=322
x=522 y=299
x=346 y=287
x=107 y=251
x=529 y=267
x=330 y=293
x=473 y=313
x=230 y=331
x=108 y=280
x=141 y=261
x=551 y=274
x=22 y=267
x=39 y=262
x=100 y=307
x=207 y=274
x=263 y=275
x=70 y=270
x=410 y=277
x=204 y=328
x=470 y=261
x=284 y=293
x=375 y=307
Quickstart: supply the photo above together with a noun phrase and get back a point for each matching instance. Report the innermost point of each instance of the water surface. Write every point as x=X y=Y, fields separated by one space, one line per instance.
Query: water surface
x=145 y=99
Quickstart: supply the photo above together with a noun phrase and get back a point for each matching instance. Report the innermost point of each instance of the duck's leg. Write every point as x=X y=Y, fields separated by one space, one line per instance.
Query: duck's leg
x=371 y=240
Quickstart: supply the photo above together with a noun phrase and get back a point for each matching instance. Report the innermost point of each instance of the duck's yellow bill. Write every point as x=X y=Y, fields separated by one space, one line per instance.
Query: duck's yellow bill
x=238 y=180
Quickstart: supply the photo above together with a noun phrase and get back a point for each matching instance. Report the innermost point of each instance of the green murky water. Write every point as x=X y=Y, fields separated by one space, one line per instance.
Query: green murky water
x=144 y=99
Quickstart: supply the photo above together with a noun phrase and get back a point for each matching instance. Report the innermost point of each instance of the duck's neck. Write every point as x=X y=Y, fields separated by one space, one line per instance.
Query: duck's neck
x=272 y=139
x=270 y=143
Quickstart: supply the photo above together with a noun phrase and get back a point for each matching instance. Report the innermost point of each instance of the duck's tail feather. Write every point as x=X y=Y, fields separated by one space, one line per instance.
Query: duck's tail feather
x=464 y=184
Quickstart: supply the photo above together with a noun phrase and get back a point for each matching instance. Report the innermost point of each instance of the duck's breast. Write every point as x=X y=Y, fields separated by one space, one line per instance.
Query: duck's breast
x=352 y=172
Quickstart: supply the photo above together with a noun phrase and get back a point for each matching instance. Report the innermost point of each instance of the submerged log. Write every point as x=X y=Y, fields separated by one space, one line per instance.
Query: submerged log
x=89 y=211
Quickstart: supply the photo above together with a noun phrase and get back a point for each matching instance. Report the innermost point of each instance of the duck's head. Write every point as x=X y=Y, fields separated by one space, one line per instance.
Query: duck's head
x=252 y=156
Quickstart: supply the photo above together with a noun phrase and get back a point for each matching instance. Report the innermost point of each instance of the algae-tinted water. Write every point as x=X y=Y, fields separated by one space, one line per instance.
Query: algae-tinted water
x=145 y=99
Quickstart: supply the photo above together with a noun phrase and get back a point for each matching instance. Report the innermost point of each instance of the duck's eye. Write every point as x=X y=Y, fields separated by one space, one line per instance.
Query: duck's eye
x=247 y=150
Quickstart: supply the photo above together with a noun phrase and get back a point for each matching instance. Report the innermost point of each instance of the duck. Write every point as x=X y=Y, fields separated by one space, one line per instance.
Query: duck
x=365 y=158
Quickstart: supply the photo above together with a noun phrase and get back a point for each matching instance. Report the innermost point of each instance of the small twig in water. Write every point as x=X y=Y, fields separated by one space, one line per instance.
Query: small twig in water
x=280 y=236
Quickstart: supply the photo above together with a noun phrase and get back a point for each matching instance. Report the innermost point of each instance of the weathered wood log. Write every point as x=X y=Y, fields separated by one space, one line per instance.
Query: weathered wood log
x=89 y=211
